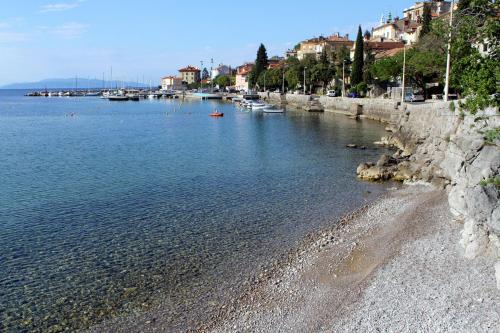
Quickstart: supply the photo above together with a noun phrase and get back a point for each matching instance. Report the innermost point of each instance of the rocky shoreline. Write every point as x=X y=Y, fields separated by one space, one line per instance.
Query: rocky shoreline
x=451 y=150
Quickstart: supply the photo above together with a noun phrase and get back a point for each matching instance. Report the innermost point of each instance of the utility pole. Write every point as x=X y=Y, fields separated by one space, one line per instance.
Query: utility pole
x=448 y=57
x=305 y=67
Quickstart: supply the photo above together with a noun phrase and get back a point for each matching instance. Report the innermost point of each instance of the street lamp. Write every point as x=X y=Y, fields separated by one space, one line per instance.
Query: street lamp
x=403 y=81
x=305 y=67
x=201 y=75
x=283 y=81
x=448 y=56
x=265 y=80
x=343 y=78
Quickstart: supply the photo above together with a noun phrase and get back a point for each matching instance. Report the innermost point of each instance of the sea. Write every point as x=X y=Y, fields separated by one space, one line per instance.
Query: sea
x=116 y=209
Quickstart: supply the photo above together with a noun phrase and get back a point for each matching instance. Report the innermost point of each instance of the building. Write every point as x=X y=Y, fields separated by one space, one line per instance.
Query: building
x=171 y=83
x=291 y=53
x=316 y=46
x=405 y=30
x=242 y=76
x=275 y=62
x=190 y=74
x=221 y=70
x=416 y=12
x=380 y=48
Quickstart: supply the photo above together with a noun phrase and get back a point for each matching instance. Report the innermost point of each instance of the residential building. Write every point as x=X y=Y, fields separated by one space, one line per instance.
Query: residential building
x=316 y=46
x=274 y=62
x=242 y=76
x=291 y=53
x=190 y=74
x=380 y=48
x=171 y=83
x=397 y=30
x=416 y=12
x=221 y=70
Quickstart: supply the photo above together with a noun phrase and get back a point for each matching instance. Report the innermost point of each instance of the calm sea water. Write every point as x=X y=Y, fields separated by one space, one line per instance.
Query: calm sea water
x=109 y=209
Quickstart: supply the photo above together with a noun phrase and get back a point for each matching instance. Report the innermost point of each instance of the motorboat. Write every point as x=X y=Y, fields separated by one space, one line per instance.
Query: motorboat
x=272 y=110
x=118 y=98
x=258 y=106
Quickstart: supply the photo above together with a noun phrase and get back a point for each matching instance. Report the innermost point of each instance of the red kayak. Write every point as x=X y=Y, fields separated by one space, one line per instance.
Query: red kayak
x=217 y=114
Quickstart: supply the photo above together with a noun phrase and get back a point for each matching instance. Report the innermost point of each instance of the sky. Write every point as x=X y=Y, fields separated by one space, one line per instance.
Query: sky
x=149 y=39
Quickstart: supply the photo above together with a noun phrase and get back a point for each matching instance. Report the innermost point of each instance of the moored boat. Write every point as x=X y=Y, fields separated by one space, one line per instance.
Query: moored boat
x=118 y=98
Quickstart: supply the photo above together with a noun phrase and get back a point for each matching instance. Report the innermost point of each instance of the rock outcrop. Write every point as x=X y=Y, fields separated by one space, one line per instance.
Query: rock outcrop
x=449 y=149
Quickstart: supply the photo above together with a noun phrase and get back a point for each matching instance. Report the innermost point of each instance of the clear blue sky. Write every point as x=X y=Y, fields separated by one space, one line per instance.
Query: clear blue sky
x=63 y=38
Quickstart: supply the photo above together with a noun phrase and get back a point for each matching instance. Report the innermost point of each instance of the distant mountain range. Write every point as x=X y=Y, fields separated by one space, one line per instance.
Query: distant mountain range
x=71 y=84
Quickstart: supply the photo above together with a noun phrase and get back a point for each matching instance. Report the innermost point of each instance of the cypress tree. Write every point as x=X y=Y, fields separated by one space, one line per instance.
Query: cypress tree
x=358 y=63
x=261 y=63
x=426 y=20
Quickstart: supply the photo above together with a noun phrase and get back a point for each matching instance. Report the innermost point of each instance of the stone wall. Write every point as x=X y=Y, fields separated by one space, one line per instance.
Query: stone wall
x=378 y=109
x=449 y=149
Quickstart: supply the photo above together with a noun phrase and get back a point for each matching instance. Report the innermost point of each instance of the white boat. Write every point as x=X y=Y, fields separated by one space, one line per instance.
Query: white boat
x=118 y=98
x=259 y=106
x=60 y=94
x=272 y=110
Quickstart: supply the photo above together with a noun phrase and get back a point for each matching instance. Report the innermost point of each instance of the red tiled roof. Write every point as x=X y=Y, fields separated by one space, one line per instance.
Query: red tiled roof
x=189 y=69
x=379 y=46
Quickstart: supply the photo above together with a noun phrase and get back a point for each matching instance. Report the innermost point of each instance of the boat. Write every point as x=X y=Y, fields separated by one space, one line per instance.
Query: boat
x=133 y=97
x=259 y=106
x=272 y=110
x=118 y=98
x=217 y=114
x=91 y=94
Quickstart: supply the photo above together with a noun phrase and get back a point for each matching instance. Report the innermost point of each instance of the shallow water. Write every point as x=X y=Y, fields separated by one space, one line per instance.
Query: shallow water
x=111 y=208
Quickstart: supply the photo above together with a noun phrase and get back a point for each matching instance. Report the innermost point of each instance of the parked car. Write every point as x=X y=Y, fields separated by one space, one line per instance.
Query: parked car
x=353 y=95
x=331 y=93
x=414 y=98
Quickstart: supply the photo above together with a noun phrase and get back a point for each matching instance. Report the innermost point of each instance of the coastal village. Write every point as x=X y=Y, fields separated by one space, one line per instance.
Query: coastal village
x=394 y=33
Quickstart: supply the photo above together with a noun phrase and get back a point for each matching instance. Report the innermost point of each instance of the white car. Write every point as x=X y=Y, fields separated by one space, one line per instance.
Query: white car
x=414 y=98
x=331 y=93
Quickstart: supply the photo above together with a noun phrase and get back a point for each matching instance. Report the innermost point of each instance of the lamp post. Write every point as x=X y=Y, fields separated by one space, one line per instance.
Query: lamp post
x=448 y=56
x=305 y=67
x=403 y=81
x=283 y=81
x=343 y=78
x=201 y=76
x=265 y=80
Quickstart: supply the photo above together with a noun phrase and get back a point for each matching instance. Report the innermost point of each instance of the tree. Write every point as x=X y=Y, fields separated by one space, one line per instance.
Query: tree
x=204 y=74
x=261 y=63
x=357 y=66
x=474 y=73
x=426 y=20
x=367 y=35
x=222 y=81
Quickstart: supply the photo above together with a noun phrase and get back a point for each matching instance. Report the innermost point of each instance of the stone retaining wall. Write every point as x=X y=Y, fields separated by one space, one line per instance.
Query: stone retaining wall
x=378 y=109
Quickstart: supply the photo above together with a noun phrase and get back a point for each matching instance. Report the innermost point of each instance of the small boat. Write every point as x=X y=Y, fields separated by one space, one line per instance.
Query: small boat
x=259 y=106
x=217 y=114
x=272 y=110
x=118 y=98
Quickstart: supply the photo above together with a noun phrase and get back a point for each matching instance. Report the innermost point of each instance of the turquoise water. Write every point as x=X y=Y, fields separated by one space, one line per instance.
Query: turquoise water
x=109 y=209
